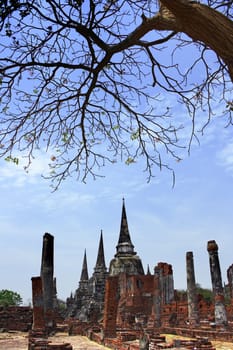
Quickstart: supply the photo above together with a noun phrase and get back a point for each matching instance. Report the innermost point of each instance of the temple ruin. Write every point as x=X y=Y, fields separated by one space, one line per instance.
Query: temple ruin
x=122 y=303
x=148 y=300
x=131 y=301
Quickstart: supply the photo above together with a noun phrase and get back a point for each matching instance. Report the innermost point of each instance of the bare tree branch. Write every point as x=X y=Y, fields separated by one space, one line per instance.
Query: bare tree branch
x=85 y=79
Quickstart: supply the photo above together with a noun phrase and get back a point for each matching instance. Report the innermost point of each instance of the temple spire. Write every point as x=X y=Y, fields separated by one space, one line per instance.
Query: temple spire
x=148 y=270
x=124 y=245
x=100 y=262
x=84 y=273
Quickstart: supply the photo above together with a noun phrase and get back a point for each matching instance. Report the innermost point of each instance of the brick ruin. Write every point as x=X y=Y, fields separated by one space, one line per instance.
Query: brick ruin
x=136 y=302
x=15 y=318
x=123 y=303
x=44 y=302
x=87 y=304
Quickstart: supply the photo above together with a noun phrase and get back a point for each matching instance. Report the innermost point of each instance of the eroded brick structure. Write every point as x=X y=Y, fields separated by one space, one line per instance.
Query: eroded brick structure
x=38 y=336
x=193 y=314
x=16 y=318
x=135 y=301
x=88 y=301
x=125 y=303
x=47 y=269
x=216 y=278
x=38 y=306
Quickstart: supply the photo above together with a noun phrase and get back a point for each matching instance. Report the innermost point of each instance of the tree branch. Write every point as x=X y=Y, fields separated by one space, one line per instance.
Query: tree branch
x=204 y=24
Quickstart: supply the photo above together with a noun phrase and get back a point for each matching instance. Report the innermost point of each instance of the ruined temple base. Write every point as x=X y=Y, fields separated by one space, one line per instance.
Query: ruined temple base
x=215 y=335
x=37 y=340
x=19 y=341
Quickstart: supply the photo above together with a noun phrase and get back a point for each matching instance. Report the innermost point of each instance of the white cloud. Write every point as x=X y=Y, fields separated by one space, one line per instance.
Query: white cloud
x=13 y=175
x=225 y=157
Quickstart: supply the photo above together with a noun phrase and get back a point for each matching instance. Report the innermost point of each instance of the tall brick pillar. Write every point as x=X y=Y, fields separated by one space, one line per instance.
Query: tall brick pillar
x=193 y=314
x=47 y=267
x=110 y=307
x=157 y=297
x=216 y=278
x=166 y=282
x=38 y=305
x=38 y=330
x=230 y=280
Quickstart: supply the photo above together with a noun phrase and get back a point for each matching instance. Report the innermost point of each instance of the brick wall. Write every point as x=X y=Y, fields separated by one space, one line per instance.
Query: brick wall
x=16 y=318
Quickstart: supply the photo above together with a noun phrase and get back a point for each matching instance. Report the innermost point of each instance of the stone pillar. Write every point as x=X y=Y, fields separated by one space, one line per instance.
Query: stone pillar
x=47 y=263
x=38 y=305
x=216 y=278
x=193 y=314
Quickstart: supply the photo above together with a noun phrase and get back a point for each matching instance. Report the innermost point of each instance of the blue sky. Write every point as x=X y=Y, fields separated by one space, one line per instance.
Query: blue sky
x=164 y=222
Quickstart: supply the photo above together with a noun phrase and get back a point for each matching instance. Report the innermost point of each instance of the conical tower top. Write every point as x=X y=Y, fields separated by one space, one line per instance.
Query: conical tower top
x=124 y=246
x=148 y=270
x=100 y=262
x=84 y=273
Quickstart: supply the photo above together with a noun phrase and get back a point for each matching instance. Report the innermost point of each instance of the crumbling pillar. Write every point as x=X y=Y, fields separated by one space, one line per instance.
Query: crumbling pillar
x=47 y=267
x=110 y=307
x=38 y=330
x=157 y=297
x=230 y=281
x=193 y=314
x=38 y=305
x=38 y=337
x=166 y=281
x=216 y=278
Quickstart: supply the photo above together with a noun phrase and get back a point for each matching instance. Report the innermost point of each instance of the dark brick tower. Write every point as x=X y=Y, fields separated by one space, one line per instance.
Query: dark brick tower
x=100 y=273
x=87 y=304
x=84 y=273
x=47 y=268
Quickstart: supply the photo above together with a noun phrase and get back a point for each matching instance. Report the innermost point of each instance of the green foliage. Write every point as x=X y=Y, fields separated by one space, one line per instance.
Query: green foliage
x=61 y=305
x=129 y=161
x=9 y=298
x=206 y=293
x=181 y=294
x=14 y=160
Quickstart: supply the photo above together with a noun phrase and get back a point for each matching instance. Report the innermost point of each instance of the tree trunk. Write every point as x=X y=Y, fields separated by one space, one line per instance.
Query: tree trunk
x=204 y=24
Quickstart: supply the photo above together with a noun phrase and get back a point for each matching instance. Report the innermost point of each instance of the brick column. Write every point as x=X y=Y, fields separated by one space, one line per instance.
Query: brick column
x=230 y=280
x=216 y=278
x=38 y=305
x=166 y=281
x=193 y=314
x=157 y=297
x=110 y=307
x=47 y=267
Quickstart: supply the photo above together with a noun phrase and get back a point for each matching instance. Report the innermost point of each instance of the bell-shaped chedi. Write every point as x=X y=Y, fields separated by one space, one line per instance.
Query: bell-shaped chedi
x=126 y=259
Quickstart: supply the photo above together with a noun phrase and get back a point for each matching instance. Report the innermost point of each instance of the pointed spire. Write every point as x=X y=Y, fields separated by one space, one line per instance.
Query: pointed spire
x=124 y=245
x=148 y=270
x=100 y=262
x=84 y=273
